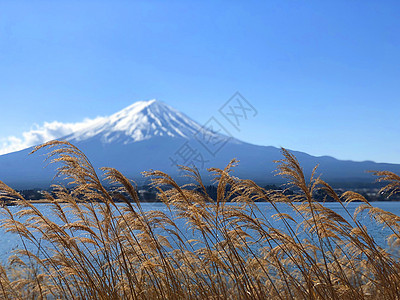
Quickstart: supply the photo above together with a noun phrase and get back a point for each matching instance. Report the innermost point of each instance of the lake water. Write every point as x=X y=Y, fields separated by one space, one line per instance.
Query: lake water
x=10 y=241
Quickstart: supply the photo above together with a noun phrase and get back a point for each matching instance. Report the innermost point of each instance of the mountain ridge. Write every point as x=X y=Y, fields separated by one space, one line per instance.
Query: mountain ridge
x=152 y=135
x=140 y=121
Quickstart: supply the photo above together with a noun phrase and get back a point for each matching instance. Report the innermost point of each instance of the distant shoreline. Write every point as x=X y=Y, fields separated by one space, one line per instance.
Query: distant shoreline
x=44 y=201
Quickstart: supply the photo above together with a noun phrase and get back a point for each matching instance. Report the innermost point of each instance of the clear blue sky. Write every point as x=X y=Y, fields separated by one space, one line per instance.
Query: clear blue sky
x=323 y=75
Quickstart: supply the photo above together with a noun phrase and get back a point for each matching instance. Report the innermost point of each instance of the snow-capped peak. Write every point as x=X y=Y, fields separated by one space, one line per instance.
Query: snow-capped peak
x=139 y=121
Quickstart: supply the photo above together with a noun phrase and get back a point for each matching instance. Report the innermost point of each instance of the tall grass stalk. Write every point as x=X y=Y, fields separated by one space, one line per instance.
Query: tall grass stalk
x=94 y=247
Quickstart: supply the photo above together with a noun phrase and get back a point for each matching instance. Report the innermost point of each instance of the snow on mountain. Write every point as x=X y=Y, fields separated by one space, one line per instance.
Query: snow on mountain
x=152 y=135
x=140 y=121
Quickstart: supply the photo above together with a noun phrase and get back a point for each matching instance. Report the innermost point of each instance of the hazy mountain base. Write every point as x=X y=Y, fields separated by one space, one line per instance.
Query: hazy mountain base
x=23 y=171
x=152 y=135
x=100 y=250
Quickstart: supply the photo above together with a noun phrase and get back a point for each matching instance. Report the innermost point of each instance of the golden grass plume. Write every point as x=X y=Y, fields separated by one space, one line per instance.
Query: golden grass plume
x=93 y=247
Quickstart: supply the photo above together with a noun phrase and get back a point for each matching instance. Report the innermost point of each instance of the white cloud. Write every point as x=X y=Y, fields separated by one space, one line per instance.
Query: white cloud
x=41 y=134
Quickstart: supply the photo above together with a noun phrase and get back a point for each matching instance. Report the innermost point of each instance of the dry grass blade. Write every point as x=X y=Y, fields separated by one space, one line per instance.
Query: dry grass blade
x=233 y=248
x=393 y=186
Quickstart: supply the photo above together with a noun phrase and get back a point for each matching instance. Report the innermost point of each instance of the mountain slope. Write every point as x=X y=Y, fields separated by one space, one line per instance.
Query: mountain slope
x=152 y=135
x=140 y=121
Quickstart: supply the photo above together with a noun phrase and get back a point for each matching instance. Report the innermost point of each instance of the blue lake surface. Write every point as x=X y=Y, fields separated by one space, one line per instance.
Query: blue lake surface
x=10 y=242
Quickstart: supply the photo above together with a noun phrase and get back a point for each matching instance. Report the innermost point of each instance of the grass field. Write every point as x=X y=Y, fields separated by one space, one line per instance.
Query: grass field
x=101 y=250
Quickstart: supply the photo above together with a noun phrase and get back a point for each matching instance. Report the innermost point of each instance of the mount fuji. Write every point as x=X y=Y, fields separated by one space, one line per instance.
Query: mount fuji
x=152 y=135
x=140 y=121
